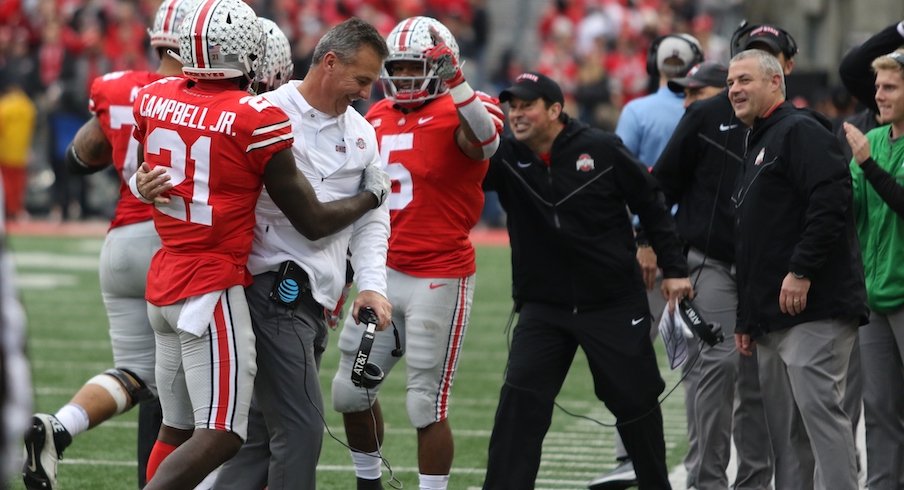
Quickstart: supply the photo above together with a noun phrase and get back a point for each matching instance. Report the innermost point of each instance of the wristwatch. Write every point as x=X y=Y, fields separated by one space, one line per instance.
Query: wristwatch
x=798 y=275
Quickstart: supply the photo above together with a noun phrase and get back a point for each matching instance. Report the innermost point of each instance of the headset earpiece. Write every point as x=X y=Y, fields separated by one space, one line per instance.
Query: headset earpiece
x=366 y=374
x=744 y=29
x=652 y=53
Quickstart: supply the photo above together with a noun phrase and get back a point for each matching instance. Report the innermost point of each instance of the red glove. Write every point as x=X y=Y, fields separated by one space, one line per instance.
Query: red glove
x=442 y=60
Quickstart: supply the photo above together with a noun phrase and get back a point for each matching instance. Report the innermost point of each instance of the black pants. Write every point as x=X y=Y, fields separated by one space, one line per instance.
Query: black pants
x=625 y=375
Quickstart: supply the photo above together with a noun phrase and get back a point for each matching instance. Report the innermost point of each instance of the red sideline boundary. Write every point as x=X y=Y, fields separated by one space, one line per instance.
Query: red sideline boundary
x=86 y=229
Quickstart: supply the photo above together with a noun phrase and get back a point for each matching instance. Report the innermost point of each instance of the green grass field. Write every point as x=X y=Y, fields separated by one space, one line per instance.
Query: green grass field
x=68 y=344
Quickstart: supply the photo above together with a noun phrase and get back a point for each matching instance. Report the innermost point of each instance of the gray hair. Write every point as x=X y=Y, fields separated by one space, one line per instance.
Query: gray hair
x=347 y=38
x=767 y=62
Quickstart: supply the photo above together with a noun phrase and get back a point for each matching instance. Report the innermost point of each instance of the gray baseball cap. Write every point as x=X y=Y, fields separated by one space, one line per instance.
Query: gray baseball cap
x=706 y=74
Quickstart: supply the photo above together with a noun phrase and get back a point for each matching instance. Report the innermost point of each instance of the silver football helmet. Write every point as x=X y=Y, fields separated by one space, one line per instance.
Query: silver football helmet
x=169 y=17
x=221 y=39
x=276 y=67
x=408 y=41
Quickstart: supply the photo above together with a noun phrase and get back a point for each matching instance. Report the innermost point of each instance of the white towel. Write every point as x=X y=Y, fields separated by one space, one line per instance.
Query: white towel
x=197 y=313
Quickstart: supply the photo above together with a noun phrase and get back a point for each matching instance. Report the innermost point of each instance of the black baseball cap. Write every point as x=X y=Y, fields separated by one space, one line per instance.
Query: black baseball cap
x=706 y=74
x=532 y=85
x=775 y=39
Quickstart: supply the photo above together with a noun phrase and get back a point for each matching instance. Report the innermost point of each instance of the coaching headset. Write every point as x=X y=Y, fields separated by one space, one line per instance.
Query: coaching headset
x=366 y=374
x=739 y=38
x=653 y=69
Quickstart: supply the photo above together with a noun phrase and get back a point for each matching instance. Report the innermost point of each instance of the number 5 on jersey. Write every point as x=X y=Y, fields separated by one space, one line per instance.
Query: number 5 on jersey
x=403 y=193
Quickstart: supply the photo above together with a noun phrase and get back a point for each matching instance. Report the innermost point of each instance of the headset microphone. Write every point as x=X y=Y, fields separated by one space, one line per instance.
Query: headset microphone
x=398 y=351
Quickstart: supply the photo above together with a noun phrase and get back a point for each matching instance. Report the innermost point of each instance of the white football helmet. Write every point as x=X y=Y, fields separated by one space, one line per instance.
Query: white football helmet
x=221 y=39
x=276 y=67
x=165 y=32
x=408 y=41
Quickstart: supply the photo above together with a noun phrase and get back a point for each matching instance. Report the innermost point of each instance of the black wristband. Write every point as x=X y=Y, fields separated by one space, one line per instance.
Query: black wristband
x=75 y=164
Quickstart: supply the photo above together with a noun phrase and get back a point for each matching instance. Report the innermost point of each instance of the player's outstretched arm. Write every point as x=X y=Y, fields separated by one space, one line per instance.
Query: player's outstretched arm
x=481 y=120
x=293 y=194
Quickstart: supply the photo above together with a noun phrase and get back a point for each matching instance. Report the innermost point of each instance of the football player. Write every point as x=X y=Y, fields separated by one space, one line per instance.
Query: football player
x=106 y=139
x=435 y=134
x=277 y=67
x=204 y=213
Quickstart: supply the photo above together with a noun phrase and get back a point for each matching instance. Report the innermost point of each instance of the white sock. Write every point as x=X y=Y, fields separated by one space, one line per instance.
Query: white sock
x=74 y=418
x=367 y=465
x=433 y=482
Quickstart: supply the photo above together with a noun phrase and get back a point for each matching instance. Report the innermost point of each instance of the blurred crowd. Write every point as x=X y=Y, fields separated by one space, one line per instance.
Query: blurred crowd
x=596 y=49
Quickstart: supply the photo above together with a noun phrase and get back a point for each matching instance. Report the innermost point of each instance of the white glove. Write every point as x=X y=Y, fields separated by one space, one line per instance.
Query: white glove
x=376 y=181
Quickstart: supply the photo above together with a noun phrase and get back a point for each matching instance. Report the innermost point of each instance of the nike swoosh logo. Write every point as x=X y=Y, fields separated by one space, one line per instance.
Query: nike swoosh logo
x=636 y=321
x=726 y=127
x=524 y=165
x=434 y=285
x=32 y=458
x=424 y=120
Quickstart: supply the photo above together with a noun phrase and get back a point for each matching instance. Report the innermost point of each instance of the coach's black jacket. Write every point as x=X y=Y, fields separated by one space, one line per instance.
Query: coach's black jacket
x=793 y=214
x=571 y=237
x=702 y=159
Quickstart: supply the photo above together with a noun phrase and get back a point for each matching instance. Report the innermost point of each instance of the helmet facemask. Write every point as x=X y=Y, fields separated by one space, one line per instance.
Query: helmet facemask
x=411 y=91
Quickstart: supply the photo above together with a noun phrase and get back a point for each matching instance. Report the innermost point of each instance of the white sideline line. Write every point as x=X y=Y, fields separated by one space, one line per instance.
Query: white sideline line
x=69 y=344
x=38 y=260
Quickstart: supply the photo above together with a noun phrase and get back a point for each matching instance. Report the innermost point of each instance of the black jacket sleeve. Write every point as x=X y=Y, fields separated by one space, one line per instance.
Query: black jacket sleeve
x=490 y=180
x=677 y=162
x=825 y=179
x=856 y=73
x=644 y=199
x=886 y=186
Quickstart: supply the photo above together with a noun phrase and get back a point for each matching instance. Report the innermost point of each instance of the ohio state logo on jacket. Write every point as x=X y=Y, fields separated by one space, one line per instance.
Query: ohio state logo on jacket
x=584 y=163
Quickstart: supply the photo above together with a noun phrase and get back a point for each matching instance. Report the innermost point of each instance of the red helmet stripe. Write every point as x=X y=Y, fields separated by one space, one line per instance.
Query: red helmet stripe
x=170 y=14
x=402 y=41
x=199 y=30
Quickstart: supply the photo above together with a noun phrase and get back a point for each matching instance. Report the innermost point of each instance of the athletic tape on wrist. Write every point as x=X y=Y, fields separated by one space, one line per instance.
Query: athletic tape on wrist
x=479 y=119
x=133 y=186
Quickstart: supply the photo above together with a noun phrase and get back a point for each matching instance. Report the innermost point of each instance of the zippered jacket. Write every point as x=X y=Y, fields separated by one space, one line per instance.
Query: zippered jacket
x=571 y=236
x=698 y=169
x=878 y=208
x=794 y=214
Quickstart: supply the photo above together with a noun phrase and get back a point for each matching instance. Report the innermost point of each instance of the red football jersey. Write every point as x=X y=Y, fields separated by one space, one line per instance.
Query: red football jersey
x=111 y=101
x=436 y=189
x=216 y=141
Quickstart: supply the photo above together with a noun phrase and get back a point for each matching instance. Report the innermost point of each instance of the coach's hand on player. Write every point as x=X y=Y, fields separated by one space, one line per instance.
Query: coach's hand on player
x=442 y=59
x=152 y=184
x=376 y=181
x=380 y=305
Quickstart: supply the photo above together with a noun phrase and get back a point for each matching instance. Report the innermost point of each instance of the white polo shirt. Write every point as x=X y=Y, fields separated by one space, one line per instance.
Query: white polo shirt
x=332 y=153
